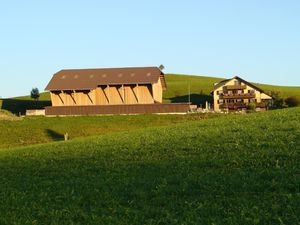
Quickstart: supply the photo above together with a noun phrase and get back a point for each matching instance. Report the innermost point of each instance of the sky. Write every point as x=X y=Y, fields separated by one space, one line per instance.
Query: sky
x=258 y=40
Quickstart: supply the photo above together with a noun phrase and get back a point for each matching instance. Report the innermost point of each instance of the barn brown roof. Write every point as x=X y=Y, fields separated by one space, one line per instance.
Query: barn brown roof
x=87 y=79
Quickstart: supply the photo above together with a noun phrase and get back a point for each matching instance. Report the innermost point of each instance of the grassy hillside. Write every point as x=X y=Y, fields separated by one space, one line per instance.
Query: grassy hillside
x=229 y=170
x=21 y=104
x=200 y=88
x=177 y=91
x=34 y=130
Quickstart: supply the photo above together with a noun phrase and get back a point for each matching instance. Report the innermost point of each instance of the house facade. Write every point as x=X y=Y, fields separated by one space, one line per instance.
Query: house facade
x=112 y=86
x=236 y=94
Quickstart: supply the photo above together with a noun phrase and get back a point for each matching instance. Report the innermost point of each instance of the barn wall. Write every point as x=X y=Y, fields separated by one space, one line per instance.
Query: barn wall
x=110 y=95
x=157 y=91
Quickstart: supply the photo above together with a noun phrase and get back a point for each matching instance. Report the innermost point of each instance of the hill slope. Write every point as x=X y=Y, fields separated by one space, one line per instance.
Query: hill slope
x=200 y=88
x=230 y=170
x=177 y=91
x=36 y=130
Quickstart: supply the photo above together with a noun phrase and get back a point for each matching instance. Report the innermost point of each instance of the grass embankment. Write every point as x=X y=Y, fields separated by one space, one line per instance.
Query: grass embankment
x=229 y=170
x=34 y=130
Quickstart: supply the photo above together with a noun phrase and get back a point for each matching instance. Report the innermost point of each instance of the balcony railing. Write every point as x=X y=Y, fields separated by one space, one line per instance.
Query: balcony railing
x=238 y=96
x=240 y=105
x=236 y=87
x=233 y=105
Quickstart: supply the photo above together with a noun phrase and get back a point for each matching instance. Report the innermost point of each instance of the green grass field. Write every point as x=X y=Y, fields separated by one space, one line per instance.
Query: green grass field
x=37 y=130
x=177 y=91
x=228 y=170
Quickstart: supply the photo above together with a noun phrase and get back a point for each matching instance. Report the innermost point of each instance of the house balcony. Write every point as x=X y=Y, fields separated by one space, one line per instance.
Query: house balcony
x=233 y=106
x=238 y=96
x=236 y=87
x=240 y=105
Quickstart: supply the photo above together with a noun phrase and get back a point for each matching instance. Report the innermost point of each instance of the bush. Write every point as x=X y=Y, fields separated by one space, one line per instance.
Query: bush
x=292 y=101
x=251 y=106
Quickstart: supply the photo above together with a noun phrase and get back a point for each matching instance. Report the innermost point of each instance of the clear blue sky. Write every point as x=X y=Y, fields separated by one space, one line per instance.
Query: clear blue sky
x=258 y=40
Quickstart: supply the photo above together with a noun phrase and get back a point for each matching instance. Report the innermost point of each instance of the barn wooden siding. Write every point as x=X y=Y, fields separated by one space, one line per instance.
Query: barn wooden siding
x=110 y=95
x=118 y=109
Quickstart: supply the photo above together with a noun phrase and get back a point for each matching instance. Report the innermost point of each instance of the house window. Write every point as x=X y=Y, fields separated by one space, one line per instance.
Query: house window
x=220 y=101
x=237 y=82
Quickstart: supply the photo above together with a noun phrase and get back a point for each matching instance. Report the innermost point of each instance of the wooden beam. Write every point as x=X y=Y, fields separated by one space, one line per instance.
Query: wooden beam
x=152 y=92
x=108 y=94
x=104 y=93
x=60 y=97
x=123 y=92
x=121 y=96
x=73 y=97
x=135 y=94
x=90 y=97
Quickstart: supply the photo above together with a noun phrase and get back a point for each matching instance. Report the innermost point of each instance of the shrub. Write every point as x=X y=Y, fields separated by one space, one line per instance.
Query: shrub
x=292 y=101
x=251 y=106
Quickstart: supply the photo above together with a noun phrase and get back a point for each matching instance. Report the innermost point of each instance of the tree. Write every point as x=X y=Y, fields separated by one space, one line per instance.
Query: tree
x=278 y=101
x=35 y=94
x=292 y=101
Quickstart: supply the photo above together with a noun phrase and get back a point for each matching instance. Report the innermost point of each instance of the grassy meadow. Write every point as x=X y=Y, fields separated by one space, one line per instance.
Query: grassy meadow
x=36 y=130
x=227 y=170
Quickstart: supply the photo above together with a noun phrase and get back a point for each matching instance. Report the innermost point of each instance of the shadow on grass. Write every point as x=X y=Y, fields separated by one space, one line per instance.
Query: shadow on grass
x=196 y=99
x=18 y=106
x=55 y=136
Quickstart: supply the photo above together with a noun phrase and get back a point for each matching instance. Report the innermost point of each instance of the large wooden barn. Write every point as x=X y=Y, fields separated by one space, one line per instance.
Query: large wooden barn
x=121 y=90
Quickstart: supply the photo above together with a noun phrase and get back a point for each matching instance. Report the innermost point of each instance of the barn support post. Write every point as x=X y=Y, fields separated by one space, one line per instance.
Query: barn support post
x=71 y=94
x=88 y=94
x=105 y=94
x=152 y=92
x=119 y=90
x=137 y=93
x=123 y=90
x=62 y=101
x=108 y=94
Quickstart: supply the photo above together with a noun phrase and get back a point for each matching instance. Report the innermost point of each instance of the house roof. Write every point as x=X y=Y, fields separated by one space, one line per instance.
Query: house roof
x=87 y=79
x=223 y=82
